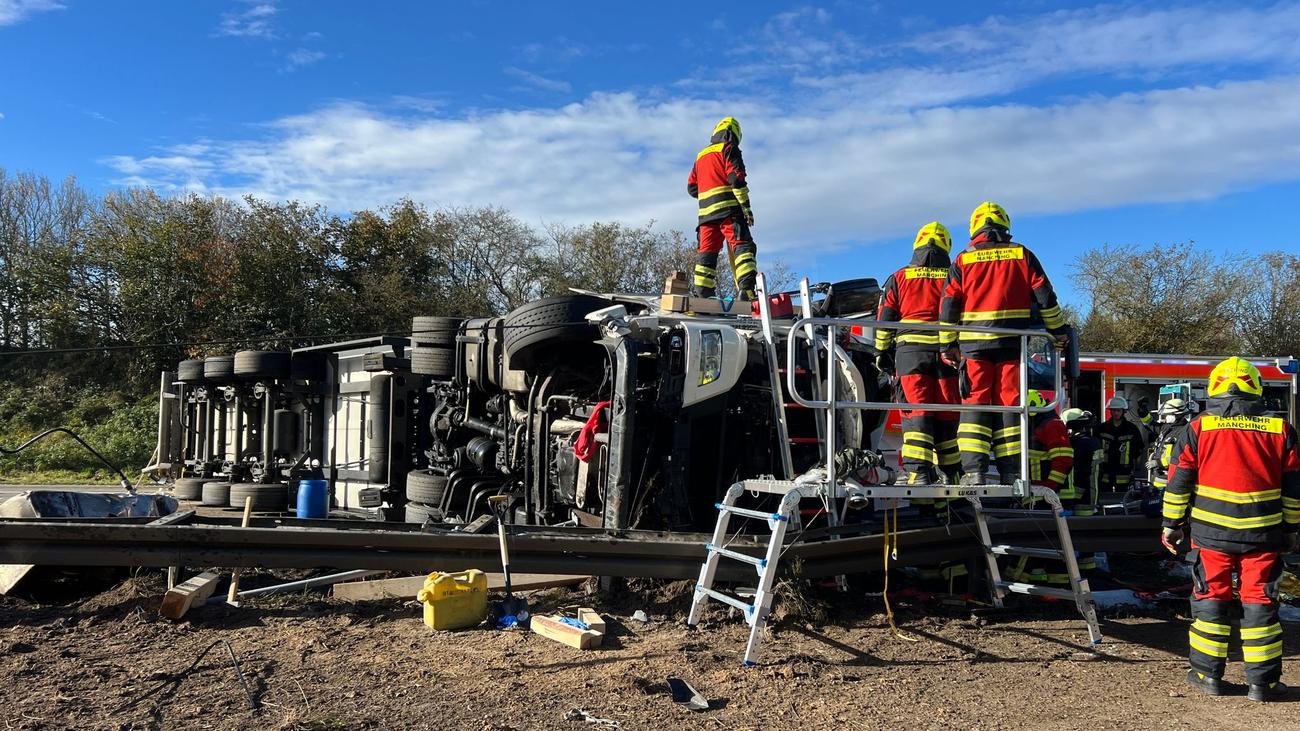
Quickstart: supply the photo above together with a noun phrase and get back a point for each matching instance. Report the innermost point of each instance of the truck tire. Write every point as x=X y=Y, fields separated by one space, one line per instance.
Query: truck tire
x=547 y=324
x=272 y=498
x=216 y=494
x=250 y=364
x=219 y=368
x=188 y=488
x=417 y=513
x=437 y=363
x=190 y=371
x=422 y=487
x=437 y=332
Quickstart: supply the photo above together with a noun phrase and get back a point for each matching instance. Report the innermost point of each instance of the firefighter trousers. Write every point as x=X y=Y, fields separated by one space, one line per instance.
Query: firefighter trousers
x=993 y=378
x=1258 y=573
x=734 y=232
x=929 y=437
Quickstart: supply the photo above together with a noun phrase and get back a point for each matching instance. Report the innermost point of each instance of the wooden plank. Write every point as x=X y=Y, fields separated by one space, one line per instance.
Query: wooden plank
x=552 y=628
x=234 y=575
x=408 y=587
x=589 y=617
x=191 y=592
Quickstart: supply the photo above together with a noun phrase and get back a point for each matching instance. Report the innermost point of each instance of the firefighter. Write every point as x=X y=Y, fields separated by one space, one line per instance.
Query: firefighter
x=1120 y=442
x=1236 y=486
x=995 y=282
x=1173 y=417
x=718 y=180
x=912 y=295
x=1051 y=462
x=1080 y=494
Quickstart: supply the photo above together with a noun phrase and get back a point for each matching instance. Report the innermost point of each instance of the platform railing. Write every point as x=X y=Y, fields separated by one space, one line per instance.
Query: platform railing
x=806 y=327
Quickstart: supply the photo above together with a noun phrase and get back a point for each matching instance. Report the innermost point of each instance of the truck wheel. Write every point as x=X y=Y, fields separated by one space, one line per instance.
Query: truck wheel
x=251 y=364
x=188 y=488
x=422 y=487
x=438 y=363
x=190 y=371
x=549 y=323
x=435 y=331
x=216 y=494
x=272 y=498
x=417 y=513
x=219 y=368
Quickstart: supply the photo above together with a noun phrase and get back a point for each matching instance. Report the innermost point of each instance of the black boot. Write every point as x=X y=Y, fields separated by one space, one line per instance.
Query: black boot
x=1207 y=684
x=1265 y=693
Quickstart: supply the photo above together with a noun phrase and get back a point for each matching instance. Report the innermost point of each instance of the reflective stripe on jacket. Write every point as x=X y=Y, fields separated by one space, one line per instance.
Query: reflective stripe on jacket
x=1237 y=479
x=997 y=283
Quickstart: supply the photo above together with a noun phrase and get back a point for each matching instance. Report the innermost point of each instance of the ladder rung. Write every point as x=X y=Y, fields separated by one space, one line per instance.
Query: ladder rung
x=1036 y=590
x=804 y=440
x=797 y=371
x=736 y=555
x=1004 y=550
x=794 y=405
x=727 y=599
x=749 y=513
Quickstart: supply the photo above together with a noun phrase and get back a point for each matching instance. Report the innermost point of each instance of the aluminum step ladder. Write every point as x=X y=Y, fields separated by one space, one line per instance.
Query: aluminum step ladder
x=1080 y=592
x=755 y=612
x=1079 y=589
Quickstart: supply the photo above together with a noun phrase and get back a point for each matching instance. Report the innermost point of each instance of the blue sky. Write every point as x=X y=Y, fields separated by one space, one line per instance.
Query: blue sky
x=1131 y=123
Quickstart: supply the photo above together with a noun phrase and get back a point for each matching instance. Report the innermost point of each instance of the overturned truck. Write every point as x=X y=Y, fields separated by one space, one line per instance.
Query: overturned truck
x=596 y=410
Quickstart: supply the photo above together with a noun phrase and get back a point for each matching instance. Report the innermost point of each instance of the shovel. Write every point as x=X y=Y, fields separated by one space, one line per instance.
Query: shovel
x=513 y=609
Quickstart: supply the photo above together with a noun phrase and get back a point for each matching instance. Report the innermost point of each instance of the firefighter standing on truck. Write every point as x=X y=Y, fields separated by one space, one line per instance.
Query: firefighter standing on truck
x=911 y=295
x=999 y=283
x=1237 y=485
x=718 y=180
x=1121 y=442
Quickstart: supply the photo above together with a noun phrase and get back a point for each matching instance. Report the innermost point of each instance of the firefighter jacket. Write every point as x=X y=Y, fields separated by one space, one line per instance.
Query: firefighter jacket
x=1051 y=458
x=1164 y=452
x=912 y=294
x=1237 y=479
x=1083 y=483
x=997 y=282
x=1120 y=446
x=718 y=180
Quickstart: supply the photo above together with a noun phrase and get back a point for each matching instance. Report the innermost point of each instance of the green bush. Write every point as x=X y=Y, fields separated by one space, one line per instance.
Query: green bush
x=122 y=427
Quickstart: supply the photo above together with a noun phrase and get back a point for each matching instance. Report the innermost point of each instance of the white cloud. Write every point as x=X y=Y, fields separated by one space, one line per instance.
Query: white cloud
x=16 y=11
x=849 y=158
x=538 y=81
x=300 y=57
x=255 y=21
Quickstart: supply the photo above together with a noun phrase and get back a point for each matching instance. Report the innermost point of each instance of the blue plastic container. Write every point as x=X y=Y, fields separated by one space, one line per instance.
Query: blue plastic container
x=313 y=499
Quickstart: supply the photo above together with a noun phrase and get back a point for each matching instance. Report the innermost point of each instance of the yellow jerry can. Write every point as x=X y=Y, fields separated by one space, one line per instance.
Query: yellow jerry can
x=456 y=600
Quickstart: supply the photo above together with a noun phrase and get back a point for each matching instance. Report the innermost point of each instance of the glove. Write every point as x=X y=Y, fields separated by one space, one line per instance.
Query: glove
x=952 y=356
x=749 y=218
x=1152 y=464
x=1171 y=537
x=885 y=362
x=1292 y=542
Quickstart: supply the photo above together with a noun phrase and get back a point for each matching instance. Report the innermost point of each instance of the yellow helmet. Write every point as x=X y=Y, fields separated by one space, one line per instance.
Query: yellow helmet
x=933 y=233
x=1235 y=375
x=729 y=123
x=987 y=213
x=1035 y=398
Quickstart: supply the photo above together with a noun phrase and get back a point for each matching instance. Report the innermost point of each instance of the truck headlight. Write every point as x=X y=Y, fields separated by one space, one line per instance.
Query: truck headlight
x=710 y=356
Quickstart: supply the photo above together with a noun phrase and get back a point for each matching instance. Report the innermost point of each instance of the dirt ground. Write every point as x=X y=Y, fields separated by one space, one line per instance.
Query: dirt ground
x=111 y=662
